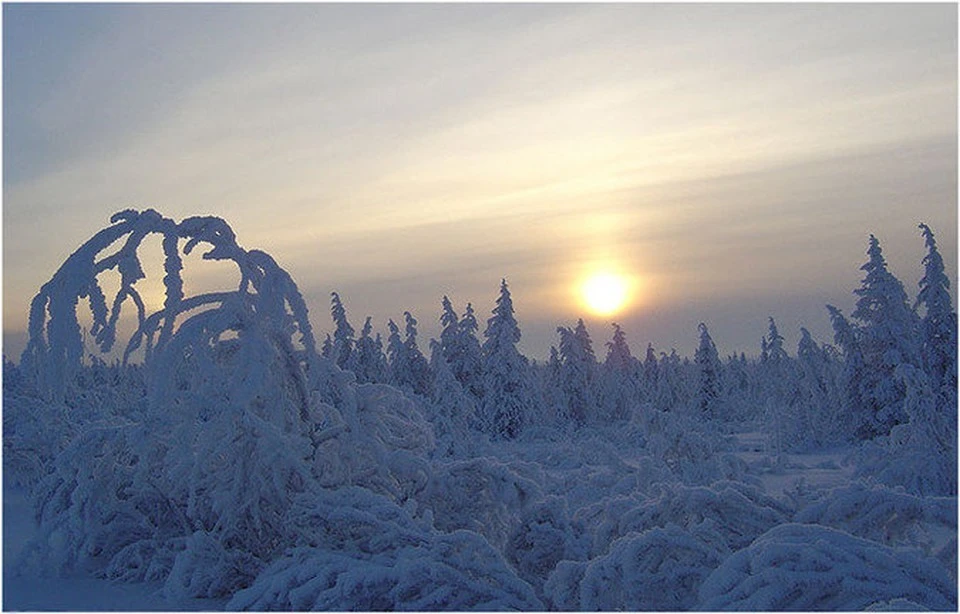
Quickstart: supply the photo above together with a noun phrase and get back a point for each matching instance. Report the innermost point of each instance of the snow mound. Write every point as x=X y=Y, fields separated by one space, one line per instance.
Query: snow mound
x=883 y=515
x=357 y=550
x=815 y=568
x=657 y=570
x=735 y=513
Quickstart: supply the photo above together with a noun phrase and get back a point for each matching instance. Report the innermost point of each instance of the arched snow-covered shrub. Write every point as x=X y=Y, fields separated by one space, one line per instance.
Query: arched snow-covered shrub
x=376 y=438
x=732 y=512
x=357 y=550
x=799 y=567
x=661 y=569
x=543 y=539
x=482 y=495
x=205 y=466
x=883 y=515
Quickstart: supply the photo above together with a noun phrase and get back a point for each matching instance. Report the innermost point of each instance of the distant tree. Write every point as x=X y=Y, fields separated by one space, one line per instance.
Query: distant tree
x=775 y=351
x=845 y=336
x=343 y=340
x=468 y=365
x=506 y=389
x=650 y=371
x=553 y=396
x=618 y=357
x=939 y=324
x=328 y=350
x=418 y=375
x=371 y=363
x=452 y=409
x=887 y=336
x=449 y=333
x=620 y=382
x=578 y=368
x=708 y=367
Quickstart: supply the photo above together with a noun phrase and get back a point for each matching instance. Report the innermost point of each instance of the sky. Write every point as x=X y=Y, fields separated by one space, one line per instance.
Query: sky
x=729 y=160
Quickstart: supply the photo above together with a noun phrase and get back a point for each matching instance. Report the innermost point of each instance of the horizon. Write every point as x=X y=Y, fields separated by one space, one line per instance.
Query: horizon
x=396 y=154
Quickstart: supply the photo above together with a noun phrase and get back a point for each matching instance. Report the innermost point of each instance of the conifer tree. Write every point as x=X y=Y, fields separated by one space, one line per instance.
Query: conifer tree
x=450 y=333
x=887 y=336
x=620 y=382
x=396 y=355
x=708 y=367
x=845 y=336
x=650 y=371
x=506 y=390
x=418 y=374
x=343 y=340
x=468 y=367
x=371 y=363
x=578 y=373
x=618 y=357
x=939 y=323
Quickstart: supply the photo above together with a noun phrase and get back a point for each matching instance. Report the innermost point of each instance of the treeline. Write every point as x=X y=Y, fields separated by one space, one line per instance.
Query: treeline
x=886 y=353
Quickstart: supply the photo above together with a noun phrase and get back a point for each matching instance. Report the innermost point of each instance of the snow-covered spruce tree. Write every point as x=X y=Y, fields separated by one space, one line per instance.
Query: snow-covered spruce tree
x=650 y=373
x=845 y=336
x=708 y=369
x=468 y=368
x=578 y=374
x=408 y=367
x=672 y=391
x=449 y=333
x=887 y=337
x=372 y=365
x=451 y=409
x=620 y=379
x=421 y=380
x=787 y=423
x=818 y=390
x=939 y=324
x=342 y=335
x=506 y=390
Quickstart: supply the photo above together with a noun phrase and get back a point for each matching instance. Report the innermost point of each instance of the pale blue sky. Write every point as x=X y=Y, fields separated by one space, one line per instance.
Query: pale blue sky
x=731 y=158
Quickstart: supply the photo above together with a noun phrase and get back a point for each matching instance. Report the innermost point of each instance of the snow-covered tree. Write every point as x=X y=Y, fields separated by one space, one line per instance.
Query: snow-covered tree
x=506 y=390
x=451 y=409
x=620 y=382
x=578 y=374
x=371 y=363
x=650 y=372
x=449 y=333
x=939 y=324
x=468 y=365
x=343 y=340
x=708 y=368
x=408 y=366
x=887 y=337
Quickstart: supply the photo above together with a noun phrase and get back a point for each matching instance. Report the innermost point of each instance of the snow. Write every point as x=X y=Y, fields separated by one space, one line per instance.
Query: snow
x=238 y=468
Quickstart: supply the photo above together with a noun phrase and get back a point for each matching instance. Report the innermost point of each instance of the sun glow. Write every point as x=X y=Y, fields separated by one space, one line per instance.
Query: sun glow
x=605 y=293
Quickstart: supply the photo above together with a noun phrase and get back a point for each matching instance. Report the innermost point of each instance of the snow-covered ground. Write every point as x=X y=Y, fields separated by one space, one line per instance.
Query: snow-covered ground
x=813 y=471
x=76 y=592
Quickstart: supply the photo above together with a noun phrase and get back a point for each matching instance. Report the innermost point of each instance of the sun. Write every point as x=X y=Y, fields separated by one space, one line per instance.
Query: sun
x=605 y=293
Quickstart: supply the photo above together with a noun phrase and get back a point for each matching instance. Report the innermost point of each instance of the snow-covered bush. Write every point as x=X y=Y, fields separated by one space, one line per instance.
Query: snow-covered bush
x=921 y=454
x=660 y=569
x=376 y=438
x=733 y=512
x=693 y=454
x=883 y=515
x=357 y=550
x=543 y=539
x=799 y=567
x=482 y=495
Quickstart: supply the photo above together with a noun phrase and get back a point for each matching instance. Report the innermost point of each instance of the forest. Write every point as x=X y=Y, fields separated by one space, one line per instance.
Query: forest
x=221 y=451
